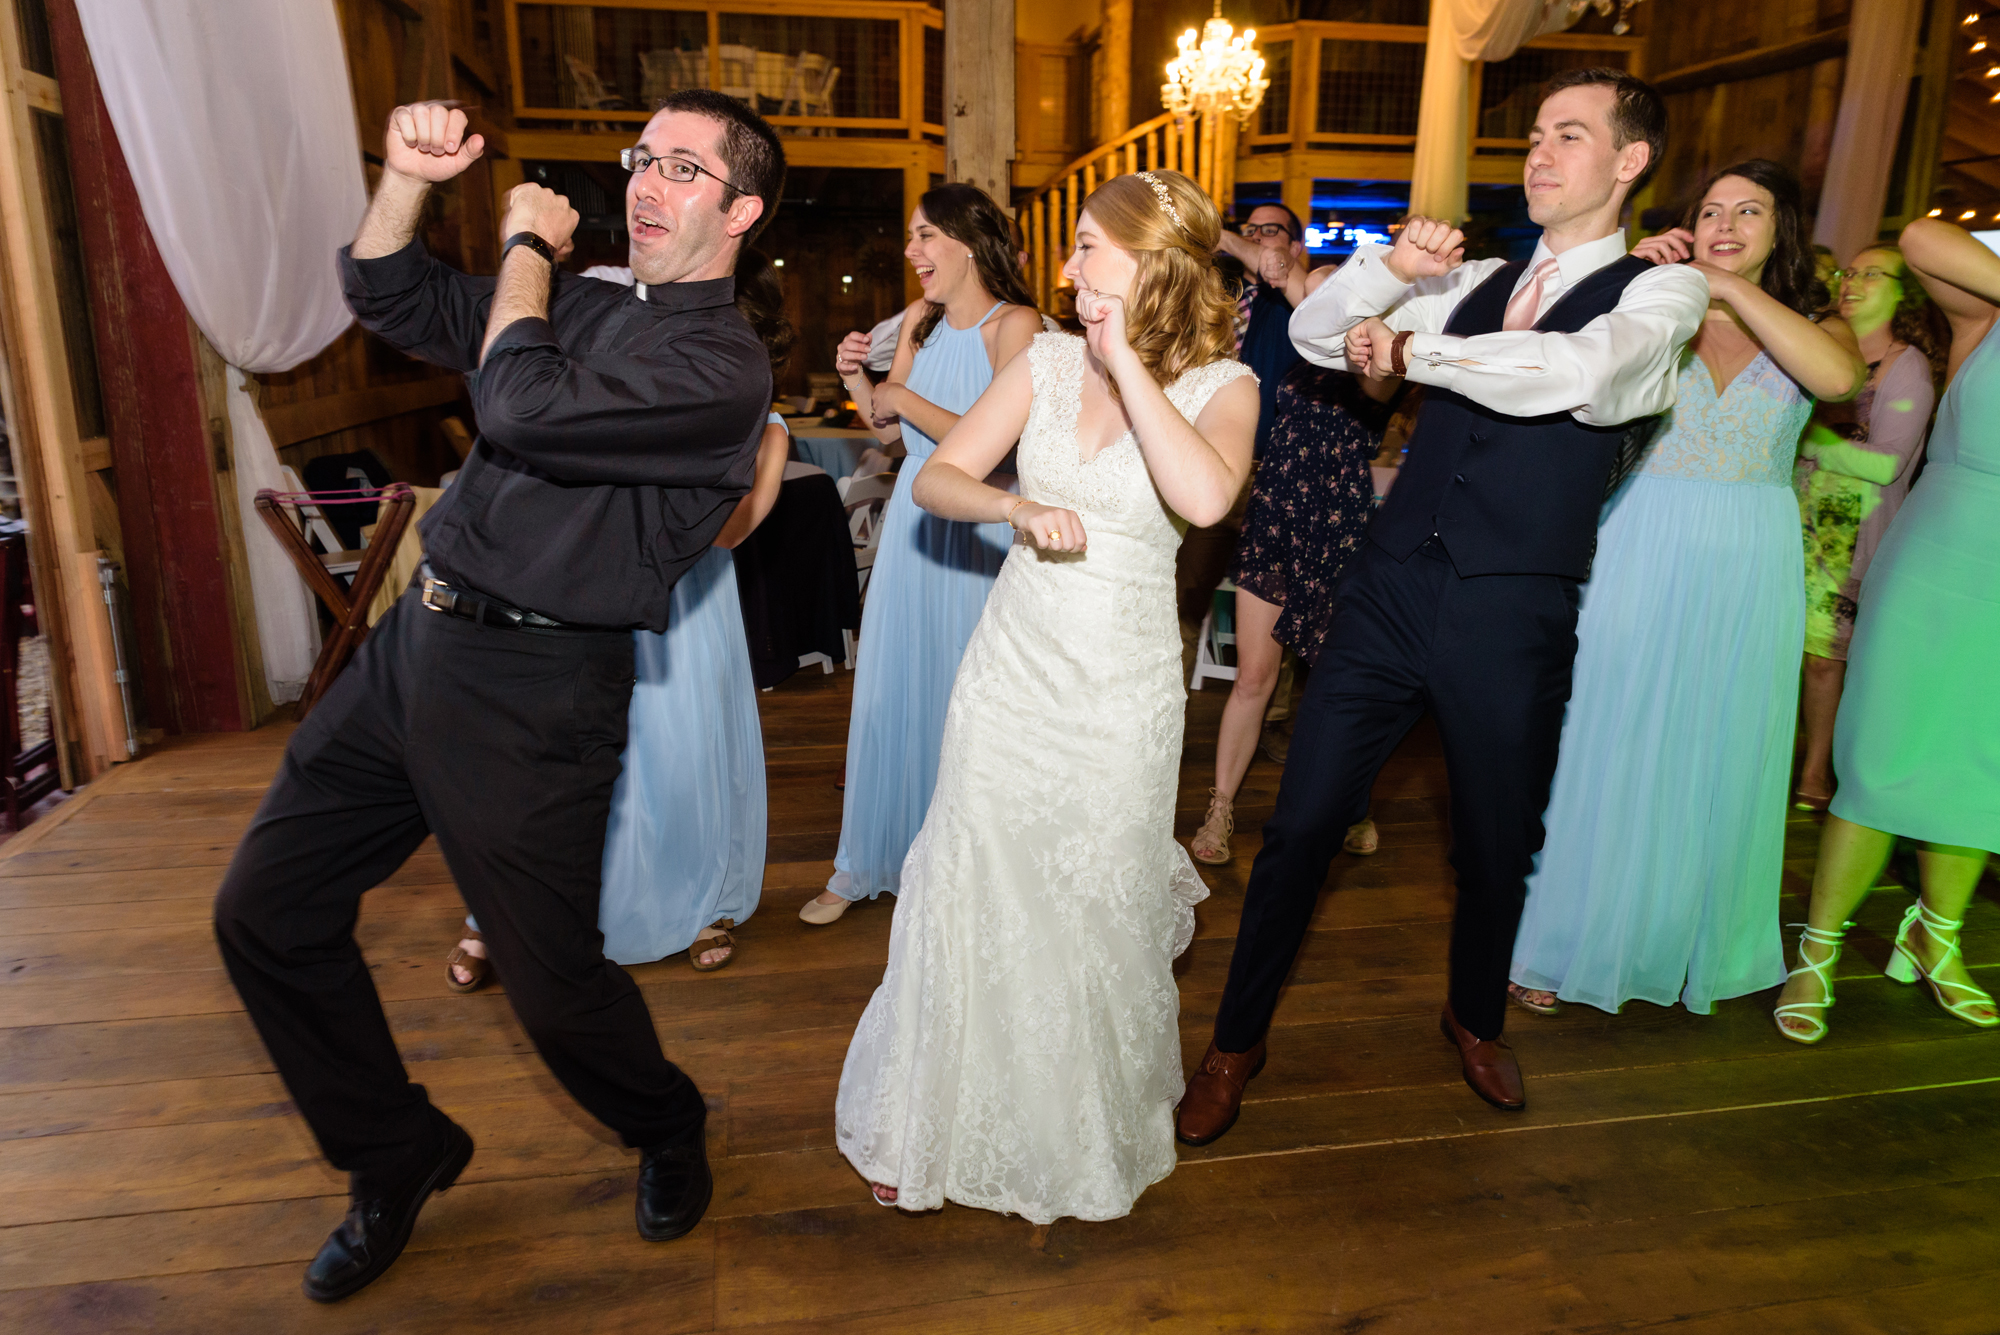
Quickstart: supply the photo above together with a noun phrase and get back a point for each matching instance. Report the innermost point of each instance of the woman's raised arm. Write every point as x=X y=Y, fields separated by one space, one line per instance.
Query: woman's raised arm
x=1824 y=357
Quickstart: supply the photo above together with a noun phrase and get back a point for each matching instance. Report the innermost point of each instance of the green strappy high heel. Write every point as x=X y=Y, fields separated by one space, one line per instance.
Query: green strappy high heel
x=1812 y=1012
x=1905 y=968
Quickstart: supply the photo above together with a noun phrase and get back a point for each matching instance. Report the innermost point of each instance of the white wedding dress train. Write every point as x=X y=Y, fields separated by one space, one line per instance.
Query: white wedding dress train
x=1023 y=1051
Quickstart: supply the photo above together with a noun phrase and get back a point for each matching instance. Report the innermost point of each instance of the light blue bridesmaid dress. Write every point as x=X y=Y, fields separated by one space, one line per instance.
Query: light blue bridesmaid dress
x=928 y=588
x=1666 y=824
x=685 y=843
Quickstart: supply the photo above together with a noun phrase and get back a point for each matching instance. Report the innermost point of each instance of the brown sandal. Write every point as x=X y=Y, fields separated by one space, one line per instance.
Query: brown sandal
x=478 y=966
x=721 y=940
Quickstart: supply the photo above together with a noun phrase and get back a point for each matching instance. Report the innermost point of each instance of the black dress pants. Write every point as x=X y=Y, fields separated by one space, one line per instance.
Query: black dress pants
x=506 y=745
x=1491 y=657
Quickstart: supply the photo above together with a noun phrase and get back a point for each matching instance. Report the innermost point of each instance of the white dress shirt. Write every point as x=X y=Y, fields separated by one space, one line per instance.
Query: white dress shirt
x=1620 y=366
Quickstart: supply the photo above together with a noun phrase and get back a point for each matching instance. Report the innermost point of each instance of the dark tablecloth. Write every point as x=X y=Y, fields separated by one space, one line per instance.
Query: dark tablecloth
x=796 y=578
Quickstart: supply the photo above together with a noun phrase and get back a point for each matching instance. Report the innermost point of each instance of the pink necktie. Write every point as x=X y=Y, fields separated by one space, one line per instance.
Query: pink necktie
x=1524 y=305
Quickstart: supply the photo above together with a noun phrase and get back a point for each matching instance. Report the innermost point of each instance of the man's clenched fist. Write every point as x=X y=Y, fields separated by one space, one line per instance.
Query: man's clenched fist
x=538 y=209
x=427 y=141
x=1369 y=345
x=1426 y=248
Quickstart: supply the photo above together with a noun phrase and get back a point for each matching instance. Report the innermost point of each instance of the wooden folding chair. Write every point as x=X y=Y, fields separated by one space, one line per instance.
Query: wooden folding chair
x=349 y=604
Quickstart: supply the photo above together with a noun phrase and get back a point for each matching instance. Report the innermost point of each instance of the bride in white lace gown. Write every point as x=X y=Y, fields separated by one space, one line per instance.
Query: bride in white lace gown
x=1023 y=1052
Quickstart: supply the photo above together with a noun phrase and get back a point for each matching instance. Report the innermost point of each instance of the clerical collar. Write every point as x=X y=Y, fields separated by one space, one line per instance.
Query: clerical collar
x=687 y=296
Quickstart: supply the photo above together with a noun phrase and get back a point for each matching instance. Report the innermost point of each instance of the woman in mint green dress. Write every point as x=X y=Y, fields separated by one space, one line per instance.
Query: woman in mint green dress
x=1666 y=822
x=1917 y=741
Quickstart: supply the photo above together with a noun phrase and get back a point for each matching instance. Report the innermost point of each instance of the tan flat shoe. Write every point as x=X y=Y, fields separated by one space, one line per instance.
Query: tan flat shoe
x=819 y=915
x=1211 y=842
x=1362 y=840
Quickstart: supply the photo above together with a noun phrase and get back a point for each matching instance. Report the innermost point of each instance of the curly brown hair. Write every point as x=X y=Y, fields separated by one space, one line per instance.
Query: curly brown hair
x=1917 y=322
x=1177 y=316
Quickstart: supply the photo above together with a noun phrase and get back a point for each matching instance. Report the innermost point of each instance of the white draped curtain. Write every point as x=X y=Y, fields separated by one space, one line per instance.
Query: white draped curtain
x=237 y=122
x=1461 y=32
x=1881 y=46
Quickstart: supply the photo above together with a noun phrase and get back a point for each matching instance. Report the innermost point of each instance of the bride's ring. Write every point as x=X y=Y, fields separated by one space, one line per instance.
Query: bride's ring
x=1055 y=535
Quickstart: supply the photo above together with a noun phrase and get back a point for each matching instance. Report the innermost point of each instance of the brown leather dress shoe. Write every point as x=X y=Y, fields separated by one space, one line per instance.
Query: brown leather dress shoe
x=1215 y=1095
x=1489 y=1063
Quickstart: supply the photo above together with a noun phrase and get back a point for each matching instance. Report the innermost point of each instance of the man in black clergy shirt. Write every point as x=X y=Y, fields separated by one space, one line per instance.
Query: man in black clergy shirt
x=617 y=429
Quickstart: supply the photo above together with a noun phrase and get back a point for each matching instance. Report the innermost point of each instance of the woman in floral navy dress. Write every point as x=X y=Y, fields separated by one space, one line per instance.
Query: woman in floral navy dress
x=1310 y=502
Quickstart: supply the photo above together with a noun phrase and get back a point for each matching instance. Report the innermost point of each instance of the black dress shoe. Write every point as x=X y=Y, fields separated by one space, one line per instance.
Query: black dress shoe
x=376 y=1229
x=674 y=1187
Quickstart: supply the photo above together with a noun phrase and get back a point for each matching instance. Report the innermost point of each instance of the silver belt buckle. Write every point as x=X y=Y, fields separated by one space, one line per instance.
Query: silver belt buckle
x=438 y=595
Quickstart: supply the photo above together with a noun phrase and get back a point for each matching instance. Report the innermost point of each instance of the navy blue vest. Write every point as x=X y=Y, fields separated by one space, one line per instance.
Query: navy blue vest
x=1511 y=495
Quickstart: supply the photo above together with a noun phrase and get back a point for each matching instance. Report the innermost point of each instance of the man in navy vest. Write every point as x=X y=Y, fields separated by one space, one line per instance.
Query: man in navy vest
x=1540 y=377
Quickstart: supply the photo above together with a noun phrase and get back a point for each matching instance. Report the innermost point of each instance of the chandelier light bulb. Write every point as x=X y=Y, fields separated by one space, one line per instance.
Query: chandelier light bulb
x=1216 y=72
x=1965 y=216
x=1979 y=46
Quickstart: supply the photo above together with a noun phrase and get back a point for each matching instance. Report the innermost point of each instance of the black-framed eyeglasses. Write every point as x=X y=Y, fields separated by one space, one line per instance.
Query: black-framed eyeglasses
x=1866 y=275
x=678 y=170
x=1258 y=231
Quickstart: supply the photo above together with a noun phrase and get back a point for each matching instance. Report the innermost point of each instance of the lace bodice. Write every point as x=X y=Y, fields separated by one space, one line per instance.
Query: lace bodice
x=1749 y=434
x=1113 y=488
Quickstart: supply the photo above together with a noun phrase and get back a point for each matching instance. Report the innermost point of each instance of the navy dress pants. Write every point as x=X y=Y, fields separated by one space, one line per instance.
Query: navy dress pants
x=1490 y=656
x=505 y=744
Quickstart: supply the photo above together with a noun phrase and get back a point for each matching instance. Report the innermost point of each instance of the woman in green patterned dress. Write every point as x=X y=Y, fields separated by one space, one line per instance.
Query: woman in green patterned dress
x=1854 y=468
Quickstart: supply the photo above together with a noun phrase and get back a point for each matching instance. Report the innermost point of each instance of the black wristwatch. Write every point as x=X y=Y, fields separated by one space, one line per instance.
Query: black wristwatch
x=532 y=242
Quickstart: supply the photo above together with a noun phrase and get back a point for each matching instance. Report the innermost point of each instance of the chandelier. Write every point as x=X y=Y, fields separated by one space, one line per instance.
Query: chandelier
x=1223 y=74
x=1622 y=26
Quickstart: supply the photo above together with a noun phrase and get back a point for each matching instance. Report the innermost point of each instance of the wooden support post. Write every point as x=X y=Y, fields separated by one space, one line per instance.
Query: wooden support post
x=979 y=95
x=1114 y=89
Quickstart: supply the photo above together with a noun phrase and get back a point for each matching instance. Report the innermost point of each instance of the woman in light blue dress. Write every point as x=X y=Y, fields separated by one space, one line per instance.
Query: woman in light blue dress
x=931 y=575
x=1659 y=878
x=684 y=846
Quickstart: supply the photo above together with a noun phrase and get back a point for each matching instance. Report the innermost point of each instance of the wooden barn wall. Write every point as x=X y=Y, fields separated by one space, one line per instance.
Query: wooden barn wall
x=1786 y=115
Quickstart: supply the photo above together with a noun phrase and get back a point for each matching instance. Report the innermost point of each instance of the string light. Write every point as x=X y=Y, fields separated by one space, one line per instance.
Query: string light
x=1965 y=216
x=1992 y=70
x=1969 y=19
x=1935 y=213
x=1979 y=46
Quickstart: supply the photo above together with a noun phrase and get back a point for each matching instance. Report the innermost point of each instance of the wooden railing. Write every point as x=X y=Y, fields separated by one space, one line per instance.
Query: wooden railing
x=1048 y=216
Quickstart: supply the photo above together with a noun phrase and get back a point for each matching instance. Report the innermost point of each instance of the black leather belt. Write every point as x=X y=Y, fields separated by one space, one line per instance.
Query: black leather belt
x=439 y=596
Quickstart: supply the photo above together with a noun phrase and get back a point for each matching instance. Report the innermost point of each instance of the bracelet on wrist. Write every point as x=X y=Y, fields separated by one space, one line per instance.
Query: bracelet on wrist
x=1011 y=509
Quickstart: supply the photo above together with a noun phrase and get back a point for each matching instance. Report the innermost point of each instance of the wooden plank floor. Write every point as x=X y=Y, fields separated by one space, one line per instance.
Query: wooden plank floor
x=1673 y=1169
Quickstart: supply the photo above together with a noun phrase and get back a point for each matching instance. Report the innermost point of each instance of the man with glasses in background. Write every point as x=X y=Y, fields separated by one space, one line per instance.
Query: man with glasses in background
x=618 y=428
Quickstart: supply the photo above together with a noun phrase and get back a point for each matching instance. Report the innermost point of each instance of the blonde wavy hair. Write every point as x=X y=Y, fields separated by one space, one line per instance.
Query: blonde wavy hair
x=1177 y=315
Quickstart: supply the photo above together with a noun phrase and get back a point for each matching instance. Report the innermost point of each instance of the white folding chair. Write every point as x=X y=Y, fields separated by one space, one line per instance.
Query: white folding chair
x=1210 y=643
x=659 y=74
x=865 y=499
x=739 y=72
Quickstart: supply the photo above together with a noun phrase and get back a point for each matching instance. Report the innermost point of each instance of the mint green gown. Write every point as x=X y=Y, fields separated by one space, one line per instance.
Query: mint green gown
x=1917 y=743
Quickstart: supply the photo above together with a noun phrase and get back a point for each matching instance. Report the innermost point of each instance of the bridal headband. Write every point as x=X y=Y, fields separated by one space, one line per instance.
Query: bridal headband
x=1166 y=200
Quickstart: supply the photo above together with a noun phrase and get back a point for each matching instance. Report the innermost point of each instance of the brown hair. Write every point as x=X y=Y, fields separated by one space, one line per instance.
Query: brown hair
x=1637 y=112
x=1917 y=321
x=1789 y=274
x=1177 y=316
x=761 y=297
x=751 y=151
x=968 y=215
